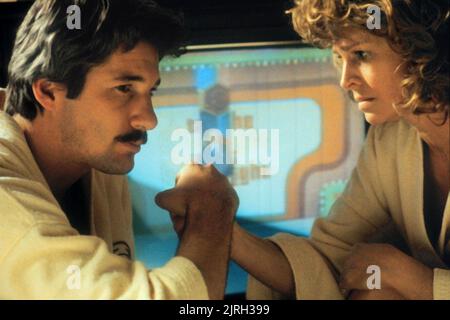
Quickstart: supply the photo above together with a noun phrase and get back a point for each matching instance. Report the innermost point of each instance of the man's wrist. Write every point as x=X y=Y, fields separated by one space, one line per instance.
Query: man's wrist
x=198 y=224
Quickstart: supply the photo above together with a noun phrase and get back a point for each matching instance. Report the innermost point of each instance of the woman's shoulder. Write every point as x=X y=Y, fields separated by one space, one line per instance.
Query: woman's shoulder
x=392 y=143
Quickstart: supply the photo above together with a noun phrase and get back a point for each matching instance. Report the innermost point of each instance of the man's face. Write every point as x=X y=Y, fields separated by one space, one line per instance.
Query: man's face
x=372 y=72
x=105 y=125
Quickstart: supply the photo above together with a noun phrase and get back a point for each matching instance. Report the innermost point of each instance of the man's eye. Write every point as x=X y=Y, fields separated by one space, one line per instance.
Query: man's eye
x=124 y=88
x=362 y=55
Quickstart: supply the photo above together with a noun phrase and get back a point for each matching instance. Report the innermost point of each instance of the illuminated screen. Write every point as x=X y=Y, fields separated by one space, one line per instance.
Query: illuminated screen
x=285 y=96
x=279 y=127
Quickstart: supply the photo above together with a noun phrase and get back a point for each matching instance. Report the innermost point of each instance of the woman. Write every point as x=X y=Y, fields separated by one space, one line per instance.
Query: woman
x=398 y=75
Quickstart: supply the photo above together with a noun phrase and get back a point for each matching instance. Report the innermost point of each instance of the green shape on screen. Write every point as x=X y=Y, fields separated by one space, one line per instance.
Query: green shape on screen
x=328 y=195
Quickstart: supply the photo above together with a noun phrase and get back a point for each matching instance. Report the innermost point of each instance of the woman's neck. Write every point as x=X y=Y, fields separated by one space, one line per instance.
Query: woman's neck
x=435 y=134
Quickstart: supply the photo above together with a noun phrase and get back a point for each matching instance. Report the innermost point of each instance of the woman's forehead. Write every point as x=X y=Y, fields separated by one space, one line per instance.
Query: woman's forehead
x=348 y=38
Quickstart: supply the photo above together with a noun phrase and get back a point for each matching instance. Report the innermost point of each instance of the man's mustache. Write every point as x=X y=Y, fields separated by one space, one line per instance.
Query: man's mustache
x=134 y=136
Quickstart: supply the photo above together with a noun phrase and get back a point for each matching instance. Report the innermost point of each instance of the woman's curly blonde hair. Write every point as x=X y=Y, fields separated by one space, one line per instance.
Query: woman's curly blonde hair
x=415 y=29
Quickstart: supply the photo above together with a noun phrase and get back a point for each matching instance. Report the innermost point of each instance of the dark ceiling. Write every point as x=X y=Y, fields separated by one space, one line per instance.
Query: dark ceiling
x=207 y=21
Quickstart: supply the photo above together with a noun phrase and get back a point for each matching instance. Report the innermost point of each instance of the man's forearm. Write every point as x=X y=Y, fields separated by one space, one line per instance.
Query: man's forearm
x=203 y=206
x=211 y=258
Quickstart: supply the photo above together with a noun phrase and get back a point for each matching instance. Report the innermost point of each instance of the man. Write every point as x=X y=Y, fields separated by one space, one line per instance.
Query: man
x=78 y=106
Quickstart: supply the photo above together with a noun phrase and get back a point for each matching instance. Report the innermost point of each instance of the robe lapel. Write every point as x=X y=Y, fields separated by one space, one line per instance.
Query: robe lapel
x=444 y=238
x=411 y=173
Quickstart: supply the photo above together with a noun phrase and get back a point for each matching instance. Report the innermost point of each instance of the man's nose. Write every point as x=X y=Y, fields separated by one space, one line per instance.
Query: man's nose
x=349 y=78
x=144 y=117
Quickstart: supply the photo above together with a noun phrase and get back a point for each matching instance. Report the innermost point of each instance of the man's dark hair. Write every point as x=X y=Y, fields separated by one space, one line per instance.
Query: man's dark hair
x=46 y=48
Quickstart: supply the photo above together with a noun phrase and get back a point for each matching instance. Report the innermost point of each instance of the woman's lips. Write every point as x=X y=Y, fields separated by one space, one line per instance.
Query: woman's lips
x=364 y=104
x=364 y=99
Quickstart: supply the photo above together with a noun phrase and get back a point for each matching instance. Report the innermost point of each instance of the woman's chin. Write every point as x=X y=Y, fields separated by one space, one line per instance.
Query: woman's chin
x=377 y=119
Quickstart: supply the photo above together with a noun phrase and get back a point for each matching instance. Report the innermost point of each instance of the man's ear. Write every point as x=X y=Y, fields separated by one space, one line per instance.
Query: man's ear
x=50 y=95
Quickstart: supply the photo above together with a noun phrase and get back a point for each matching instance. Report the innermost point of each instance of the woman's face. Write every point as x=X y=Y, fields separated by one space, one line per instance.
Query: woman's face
x=370 y=71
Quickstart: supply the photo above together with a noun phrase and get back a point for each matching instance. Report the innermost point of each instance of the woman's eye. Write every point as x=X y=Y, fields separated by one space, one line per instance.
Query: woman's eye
x=124 y=88
x=337 y=60
x=336 y=57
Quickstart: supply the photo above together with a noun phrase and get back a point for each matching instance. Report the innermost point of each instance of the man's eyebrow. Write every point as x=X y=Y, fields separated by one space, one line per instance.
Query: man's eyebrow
x=129 y=77
x=136 y=78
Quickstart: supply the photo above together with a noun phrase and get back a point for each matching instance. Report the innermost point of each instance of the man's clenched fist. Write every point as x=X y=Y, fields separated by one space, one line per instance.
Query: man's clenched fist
x=202 y=199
